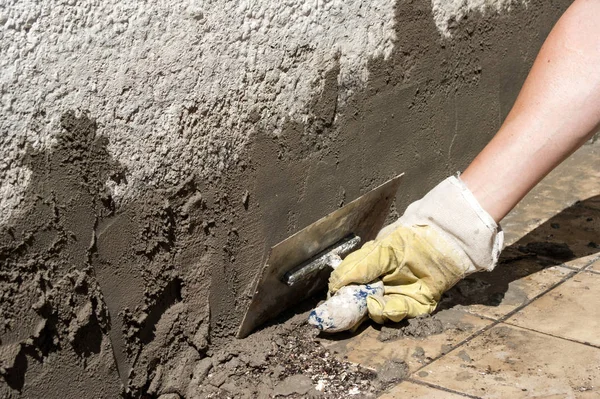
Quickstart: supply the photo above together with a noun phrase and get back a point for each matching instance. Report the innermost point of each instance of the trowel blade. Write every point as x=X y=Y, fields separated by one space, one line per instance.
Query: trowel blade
x=363 y=217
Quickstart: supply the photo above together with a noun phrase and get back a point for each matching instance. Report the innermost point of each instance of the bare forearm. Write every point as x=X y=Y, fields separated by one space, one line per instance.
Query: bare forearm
x=557 y=110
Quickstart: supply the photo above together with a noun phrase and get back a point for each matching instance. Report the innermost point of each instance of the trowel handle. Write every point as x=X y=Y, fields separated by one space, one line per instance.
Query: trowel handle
x=330 y=257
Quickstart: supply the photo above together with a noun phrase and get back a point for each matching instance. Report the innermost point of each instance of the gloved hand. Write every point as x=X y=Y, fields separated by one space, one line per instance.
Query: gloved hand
x=440 y=239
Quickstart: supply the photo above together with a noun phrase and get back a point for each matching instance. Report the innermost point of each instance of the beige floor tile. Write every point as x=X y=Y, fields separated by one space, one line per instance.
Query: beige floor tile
x=582 y=262
x=521 y=291
x=511 y=362
x=368 y=350
x=410 y=390
x=570 y=310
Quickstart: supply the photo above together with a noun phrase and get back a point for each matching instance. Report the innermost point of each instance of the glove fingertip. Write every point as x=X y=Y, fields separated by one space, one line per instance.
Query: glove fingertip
x=375 y=306
x=338 y=280
x=334 y=284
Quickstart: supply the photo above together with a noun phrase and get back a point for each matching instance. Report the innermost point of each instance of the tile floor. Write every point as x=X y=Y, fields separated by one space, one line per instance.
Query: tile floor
x=530 y=328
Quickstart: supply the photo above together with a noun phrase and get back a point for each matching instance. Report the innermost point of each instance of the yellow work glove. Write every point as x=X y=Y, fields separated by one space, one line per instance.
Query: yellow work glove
x=439 y=240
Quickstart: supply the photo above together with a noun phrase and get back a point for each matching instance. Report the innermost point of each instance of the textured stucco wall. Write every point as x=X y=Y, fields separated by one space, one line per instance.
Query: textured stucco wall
x=151 y=153
x=141 y=66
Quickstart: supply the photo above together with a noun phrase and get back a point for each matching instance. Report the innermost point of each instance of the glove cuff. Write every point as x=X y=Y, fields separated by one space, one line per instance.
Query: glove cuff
x=452 y=209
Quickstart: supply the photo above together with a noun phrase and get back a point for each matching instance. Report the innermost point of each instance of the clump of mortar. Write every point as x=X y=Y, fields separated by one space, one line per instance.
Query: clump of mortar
x=418 y=327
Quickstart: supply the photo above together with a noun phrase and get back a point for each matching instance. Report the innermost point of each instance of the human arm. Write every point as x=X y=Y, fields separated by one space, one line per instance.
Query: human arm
x=557 y=110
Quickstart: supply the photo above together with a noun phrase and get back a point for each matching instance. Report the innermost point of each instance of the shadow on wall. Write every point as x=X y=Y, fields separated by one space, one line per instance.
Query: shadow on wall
x=571 y=234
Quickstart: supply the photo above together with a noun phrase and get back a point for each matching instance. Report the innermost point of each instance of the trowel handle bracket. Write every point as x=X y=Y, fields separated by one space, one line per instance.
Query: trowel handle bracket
x=328 y=258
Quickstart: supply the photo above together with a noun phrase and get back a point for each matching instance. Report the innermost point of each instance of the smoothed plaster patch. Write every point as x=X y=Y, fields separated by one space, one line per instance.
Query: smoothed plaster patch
x=177 y=87
x=447 y=13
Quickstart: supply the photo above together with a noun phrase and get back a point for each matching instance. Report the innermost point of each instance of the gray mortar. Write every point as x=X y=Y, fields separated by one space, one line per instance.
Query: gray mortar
x=95 y=295
x=52 y=307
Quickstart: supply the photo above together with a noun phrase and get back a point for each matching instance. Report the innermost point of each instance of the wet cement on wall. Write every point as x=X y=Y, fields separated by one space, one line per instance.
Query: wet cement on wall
x=98 y=299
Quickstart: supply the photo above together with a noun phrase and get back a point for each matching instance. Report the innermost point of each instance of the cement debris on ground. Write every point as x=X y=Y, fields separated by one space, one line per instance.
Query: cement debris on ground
x=284 y=360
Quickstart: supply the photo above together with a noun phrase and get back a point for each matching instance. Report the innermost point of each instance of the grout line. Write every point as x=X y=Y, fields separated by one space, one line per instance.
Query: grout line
x=586 y=266
x=575 y=269
x=441 y=388
x=461 y=343
x=594 y=260
x=554 y=336
x=482 y=316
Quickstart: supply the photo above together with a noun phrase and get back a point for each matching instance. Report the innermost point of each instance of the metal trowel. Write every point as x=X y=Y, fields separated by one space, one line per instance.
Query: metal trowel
x=299 y=266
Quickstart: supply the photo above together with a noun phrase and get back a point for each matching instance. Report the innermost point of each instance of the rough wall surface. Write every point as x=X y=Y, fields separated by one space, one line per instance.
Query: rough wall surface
x=151 y=154
x=239 y=66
